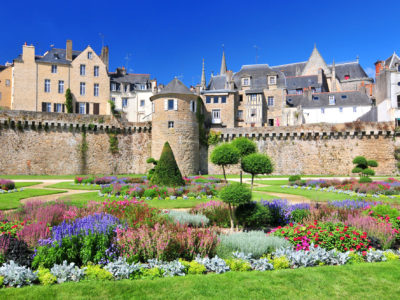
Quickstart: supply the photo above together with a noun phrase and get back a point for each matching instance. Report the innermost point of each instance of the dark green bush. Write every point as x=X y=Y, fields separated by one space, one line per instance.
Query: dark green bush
x=365 y=180
x=244 y=146
x=293 y=178
x=253 y=215
x=167 y=172
x=224 y=155
x=298 y=215
x=257 y=163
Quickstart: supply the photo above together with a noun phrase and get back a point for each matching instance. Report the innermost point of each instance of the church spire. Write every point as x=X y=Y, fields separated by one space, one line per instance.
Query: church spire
x=223 y=62
x=203 y=78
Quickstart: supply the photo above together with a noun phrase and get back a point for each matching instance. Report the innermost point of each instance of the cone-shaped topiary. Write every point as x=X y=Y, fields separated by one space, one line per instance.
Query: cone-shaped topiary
x=166 y=172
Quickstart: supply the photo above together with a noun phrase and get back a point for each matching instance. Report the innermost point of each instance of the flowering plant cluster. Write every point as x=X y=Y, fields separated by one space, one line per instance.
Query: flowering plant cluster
x=11 y=228
x=6 y=184
x=216 y=211
x=282 y=210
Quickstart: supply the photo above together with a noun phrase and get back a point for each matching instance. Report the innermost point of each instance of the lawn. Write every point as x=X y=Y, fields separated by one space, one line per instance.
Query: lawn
x=81 y=199
x=11 y=200
x=272 y=182
x=25 y=184
x=257 y=196
x=69 y=185
x=362 y=281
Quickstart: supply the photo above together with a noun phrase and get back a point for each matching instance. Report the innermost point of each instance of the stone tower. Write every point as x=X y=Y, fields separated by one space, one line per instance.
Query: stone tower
x=174 y=121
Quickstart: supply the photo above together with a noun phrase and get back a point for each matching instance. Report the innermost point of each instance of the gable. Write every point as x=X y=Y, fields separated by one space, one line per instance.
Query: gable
x=314 y=63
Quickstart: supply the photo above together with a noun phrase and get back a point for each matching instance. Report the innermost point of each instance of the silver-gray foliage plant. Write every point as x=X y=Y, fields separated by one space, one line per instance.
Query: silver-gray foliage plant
x=375 y=256
x=184 y=217
x=170 y=269
x=120 y=269
x=261 y=264
x=67 y=272
x=16 y=275
x=215 y=264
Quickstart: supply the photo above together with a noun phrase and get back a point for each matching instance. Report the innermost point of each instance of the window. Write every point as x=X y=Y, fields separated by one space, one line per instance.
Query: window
x=240 y=114
x=82 y=108
x=82 y=88
x=7 y=82
x=58 y=107
x=216 y=116
x=47 y=85
x=0 y=95
x=331 y=100
x=246 y=81
x=142 y=103
x=240 y=98
x=313 y=90
x=344 y=96
x=299 y=91
x=90 y=55
x=170 y=124
x=346 y=77
x=96 y=90
x=83 y=70
x=61 y=86
x=113 y=86
x=53 y=68
x=223 y=99
x=270 y=101
x=171 y=103
x=253 y=97
x=113 y=99
x=215 y=99
x=208 y=99
x=315 y=98
x=398 y=100
x=96 y=71
x=354 y=108
x=270 y=122
x=46 y=107
x=398 y=68
x=272 y=80
x=126 y=87
x=142 y=87
x=124 y=102
x=322 y=110
x=193 y=106
x=253 y=112
x=340 y=109
x=153 y=107
x=397 y=83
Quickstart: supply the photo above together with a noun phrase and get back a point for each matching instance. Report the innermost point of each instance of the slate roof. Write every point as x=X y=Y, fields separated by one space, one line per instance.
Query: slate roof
x=353 y=69
x=294 y=69
x=347 y=98
x=175 y=87
x=392 y=59
x=217 y=82
x=258 y=75
x=129 y=78
x=2 y=68
x=54 y=55
x=370 y=116
x=298 y=82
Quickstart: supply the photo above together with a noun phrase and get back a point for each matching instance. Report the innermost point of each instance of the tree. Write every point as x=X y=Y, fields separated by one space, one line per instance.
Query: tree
x=245 y=147
x=224 y=155
x=362 y=168
x=255 y=164
x=150 y=173
x=68 y=101
x=235 y=194
x=167 y=172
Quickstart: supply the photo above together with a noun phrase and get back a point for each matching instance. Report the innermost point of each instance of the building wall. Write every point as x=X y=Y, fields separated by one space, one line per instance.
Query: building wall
x=5 y=87
x=227 y=110
x=134 y=112
x=183 y=138
x=274 y=112
x=333 y=115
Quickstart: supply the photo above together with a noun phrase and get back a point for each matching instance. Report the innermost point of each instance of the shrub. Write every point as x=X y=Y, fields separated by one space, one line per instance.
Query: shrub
x=362 y=168
x=293 y=178
x=166 y=172
x=95 y=272
x=15 y=275
x=67 y=272
x=216 y=211
x=215 y=264
x=280 y=262
x=244 y=145
x=365 y=180
x=238 y=265
x=152 y=273
x=13 y=249
x=253 y=215
x=298 y=215
x=1 y=280
x=255 y=164
x=167 y=269
x=45 y=277
x=120 y=269
x=235 y=194
x=255 y=243
x=196 y=268
x=183 y=217
x=150 y=193
x=224 y=155
x=6 y=184
x=390 y=256
x=355 y=258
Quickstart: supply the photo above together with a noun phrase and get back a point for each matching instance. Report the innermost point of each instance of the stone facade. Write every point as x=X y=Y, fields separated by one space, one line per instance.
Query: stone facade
x=5 y=86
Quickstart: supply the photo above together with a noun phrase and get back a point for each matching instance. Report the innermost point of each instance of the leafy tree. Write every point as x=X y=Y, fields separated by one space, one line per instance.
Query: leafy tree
x=150 y=173
x=363 y=168
x=224 y=155
x=253 y=215
x=255 y=164
x=245 y=147
x=235 y=194
x=68 y=101
x=167 y=172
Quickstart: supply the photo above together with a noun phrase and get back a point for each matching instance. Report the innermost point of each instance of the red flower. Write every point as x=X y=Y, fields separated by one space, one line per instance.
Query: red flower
x=364 y=253
x=342 y=238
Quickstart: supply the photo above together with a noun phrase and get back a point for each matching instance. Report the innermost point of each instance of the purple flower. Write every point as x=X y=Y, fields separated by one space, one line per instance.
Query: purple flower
x=282 y=209
x=352 y=204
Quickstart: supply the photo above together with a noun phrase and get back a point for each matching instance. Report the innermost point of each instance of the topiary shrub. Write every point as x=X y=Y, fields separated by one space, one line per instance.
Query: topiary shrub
x=255 y=164
x=245 y=147
x=253 y=215
x=294 y=178
x=362 y=168
x=167 y=172
x=224 y=155
x=235 y=194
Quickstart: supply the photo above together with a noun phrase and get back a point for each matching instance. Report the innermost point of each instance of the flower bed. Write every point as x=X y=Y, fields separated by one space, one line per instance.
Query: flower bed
x=6 y=184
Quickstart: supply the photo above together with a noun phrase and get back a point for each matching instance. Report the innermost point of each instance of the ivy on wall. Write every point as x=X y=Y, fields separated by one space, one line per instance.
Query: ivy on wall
x=113 y=141
x=83 y=149
x=200 y=120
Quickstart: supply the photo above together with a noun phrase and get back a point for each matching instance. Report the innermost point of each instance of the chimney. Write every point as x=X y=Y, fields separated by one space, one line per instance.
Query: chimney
x=378 y=67
x=68 y=52
x=320 y=79
x=228 y=84
x=28 y=53
x=105 y=56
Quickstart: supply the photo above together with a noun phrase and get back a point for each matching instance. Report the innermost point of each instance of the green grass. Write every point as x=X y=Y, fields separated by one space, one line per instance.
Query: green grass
x=69 y=185
x=258 y=196
x=62 y=176
x=272 y=182
x=362 y=281
x=81 y=199
x=25 y=184
x=11 y=201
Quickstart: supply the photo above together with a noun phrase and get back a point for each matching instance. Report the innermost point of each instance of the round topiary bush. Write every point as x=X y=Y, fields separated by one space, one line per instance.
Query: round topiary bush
x=294 y=178
x=244 y=145
x=257 y=163
x=224 y=155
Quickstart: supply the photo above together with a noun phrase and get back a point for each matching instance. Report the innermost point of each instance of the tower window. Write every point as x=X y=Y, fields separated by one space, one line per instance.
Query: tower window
x=171 y=104
x=90 y=55
x=170 y=124
x=270 y=101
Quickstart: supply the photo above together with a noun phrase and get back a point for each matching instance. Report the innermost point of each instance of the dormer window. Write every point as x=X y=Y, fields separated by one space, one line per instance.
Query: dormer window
x=299 y=91
x=113 y=86
x=246 y=81
x=346 y=77
x=313 y=90
x=315 y=98
x=272 y=79
x=332 y=100
x=344 y=96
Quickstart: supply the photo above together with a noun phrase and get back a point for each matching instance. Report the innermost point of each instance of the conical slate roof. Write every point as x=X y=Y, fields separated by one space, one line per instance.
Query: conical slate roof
x=175 y=87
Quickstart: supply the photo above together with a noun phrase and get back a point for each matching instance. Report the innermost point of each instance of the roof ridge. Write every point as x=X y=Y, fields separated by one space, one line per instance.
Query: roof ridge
x=302 y=62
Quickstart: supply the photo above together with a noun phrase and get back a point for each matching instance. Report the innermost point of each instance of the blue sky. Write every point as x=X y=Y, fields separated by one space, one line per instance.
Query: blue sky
x=170 y=38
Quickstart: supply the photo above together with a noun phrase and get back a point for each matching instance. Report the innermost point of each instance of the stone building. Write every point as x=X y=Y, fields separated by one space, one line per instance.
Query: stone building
x=39 y=82
x=387 y=89
x=5 y=86
x=131 y=94
x=262 y=95
x=174 y=121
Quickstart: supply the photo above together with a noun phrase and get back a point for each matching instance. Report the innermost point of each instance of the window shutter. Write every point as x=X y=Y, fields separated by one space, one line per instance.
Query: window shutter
x=87 y=108
x=165 y=104
x=77 y=107
x=191 y=105
x=55 y=107
x=63 y=108
x=195 y=106
x=43 y=106
x=175 y=104
x=152 y=107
